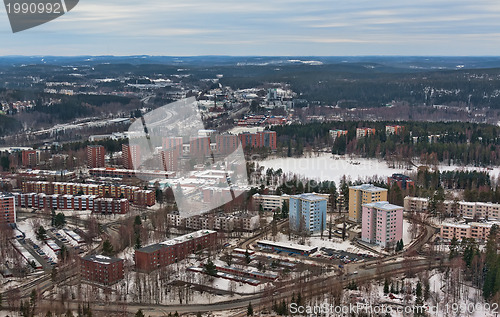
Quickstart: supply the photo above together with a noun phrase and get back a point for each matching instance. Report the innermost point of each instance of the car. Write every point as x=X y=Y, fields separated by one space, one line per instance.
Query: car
x=341 y=266
x=355 y=272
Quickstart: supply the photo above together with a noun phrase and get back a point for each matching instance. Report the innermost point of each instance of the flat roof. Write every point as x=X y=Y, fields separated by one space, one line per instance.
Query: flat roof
x=383 y=205
x=102 y=259
x=174 y=241
x=309 y=196
x=300 y=247
x=368 y=187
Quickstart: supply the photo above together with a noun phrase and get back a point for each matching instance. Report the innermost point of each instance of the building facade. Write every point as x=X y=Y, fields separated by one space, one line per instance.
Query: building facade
x=95 y=156
x=133 y=194
x=101 y=269
x=382 y=223
x=402 y=181
x=270 y=202
x=363 y=194
x=334 y=134
x=364 y=132
x=227 y=143
x=30 y=158
x=476 y=230
x=131 y=156
x=7 y=208
x=307 y=212
x=464 y=209
x=394 y=129
x=152 y=257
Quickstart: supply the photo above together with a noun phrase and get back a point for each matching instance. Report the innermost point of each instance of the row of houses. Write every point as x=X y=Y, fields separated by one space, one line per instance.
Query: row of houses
x=220 y=221
x=72 y=202
x=133 y=194
x=464 y=209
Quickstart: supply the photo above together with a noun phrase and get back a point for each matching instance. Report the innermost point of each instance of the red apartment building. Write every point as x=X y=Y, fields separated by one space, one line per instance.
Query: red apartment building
x=133 y=194
x=101 y=269
x=131 y=156
x=227 y=143
x=158 y=255
x=260 y=139
x=173 y=143
x=170 y=160
x=95 y=156
x=199 y=146
x=30 y=158
x=7 y=208
x=81 y=202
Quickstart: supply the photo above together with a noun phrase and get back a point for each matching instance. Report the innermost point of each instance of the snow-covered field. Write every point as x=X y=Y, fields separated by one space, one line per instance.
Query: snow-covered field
x=325 y=168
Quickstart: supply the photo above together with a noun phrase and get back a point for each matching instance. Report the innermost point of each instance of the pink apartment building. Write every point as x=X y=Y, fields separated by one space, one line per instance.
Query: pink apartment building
x=382 y=223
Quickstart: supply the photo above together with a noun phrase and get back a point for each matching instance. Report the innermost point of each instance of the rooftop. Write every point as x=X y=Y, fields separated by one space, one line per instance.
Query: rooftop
x=383 y=205
x=300 y=247
x=102 y=259
x=309 y=196
x=368 y=188
x=174 y=241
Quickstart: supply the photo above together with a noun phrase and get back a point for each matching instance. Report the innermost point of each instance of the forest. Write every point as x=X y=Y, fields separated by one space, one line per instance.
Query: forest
x=452 y=142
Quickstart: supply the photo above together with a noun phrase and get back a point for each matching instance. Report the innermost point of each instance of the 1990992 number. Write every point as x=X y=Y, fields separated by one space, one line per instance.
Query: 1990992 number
x=33 y=8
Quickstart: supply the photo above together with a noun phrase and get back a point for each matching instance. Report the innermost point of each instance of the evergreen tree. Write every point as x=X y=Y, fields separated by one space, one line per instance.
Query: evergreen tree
x=210 y=268
x=249 y=309
x=453 y=248
x=386 y=286
x=139 y=313
x=107 y=248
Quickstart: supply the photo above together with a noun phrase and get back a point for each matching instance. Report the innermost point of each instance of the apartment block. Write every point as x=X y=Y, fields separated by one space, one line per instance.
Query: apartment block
x=464 y=209
x=363 y=194
x=7 y=208
x=270 y=202
x=227 y=143
x=133 y=194
x=477 y=230
x=131 y=156
x=416 y=204
x=95 y=156
x=126 y=173
x=394 y=129
x=364 y=132
x=101 y=269
x=173 y=143
x=30 y=158
x=152 y=257
x=307 y=212
x=382 y=223
x=402 y=181
x=334 y=134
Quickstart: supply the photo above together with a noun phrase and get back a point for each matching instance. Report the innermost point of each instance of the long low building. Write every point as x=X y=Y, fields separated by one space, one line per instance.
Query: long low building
x=126 y=173
x=71 y=202
x=465 y=209
x=287 y=247
x=155 y=256
x=477 y=230
x=133 y=194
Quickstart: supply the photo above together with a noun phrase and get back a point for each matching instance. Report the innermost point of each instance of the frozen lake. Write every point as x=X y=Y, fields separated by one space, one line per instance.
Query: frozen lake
x=325 y=167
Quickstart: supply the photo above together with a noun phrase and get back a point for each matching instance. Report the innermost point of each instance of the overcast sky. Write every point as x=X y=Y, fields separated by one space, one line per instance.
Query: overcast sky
x=264 y=27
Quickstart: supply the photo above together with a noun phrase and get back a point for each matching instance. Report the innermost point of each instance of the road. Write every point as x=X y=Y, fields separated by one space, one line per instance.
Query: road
x=314 y=287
